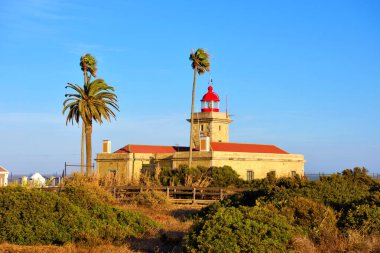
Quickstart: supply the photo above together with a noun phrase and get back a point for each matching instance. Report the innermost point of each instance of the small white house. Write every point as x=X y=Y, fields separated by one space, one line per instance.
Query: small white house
x=37 y=179
x=3 y=176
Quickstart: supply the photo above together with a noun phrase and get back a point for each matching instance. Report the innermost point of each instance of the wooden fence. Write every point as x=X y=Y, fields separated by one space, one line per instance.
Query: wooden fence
x=180 y=195
x=176 y=195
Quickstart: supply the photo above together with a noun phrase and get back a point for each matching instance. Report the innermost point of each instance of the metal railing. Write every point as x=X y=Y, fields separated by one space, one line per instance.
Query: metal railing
x=316 y=176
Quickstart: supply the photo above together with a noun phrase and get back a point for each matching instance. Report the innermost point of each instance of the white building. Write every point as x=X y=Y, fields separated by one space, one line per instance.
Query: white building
x=3 y=176
x=37 y=179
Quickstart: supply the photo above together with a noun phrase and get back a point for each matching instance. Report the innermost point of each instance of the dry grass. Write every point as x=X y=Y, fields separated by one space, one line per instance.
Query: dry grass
x=175 y=223
x=69 y=248
x=352 y=242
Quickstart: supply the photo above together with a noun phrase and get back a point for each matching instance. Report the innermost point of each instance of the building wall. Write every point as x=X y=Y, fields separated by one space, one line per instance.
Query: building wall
x=3 y=179
x=199 y=159
x=129 y=166
x=108 y=162
x=260 y=164
x=215 y=125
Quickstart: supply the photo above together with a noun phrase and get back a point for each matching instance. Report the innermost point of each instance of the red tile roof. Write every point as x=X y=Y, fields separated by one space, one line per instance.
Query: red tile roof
x=132 y=148
x=2 y=169
x=248 y=148
x=215 y=146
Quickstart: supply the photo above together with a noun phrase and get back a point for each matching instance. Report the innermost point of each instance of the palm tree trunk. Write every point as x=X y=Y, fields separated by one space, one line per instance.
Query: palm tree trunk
x=192 y=119
x=88 y=150
x=82 y=151
x=83 y=126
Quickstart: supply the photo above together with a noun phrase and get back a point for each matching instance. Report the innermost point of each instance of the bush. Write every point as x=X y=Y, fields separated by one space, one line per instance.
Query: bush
x=317 y=220
x=242 y=229
x=200 y=176
x=312 y=209
x=340 y=191
x=108 y=219
x=182 y=176
x=31 y=216
x=34 y=217
x=364 y=218
x=148 y=198
x=223 y=176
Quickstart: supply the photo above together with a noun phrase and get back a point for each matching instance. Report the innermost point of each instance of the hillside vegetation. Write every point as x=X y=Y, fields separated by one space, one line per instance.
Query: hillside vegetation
x=79 y=214
x=338 y=213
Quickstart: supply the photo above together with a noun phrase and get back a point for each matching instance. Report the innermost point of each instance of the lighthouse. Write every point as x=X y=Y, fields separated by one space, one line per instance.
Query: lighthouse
x=210 y=101
x=211 y=140
x=210 y=125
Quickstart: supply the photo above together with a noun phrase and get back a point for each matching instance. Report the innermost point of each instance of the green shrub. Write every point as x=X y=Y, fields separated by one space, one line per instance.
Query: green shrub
x=108 y=218
x=312 y=208
x=200 y=176
x=175 y=177
x=340 y=191
x=148 y=198
x=364 y=218
x=32 y=216
x=223 y=176
x=242 y=229
x=314 y=218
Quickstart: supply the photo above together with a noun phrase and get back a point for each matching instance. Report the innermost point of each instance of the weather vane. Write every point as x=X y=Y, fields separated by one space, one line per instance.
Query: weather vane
x=210 y=81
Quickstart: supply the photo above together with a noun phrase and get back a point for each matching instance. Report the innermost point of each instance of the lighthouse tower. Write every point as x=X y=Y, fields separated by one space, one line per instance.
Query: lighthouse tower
x=210 y=125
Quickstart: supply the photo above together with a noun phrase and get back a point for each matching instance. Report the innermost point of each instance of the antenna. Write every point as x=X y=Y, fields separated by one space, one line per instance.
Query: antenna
x=226 y=106
x=210 y=80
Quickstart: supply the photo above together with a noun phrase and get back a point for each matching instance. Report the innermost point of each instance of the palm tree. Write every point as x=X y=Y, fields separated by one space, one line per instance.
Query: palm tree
x=88 y=66
x=94 y=101
x=200 y=64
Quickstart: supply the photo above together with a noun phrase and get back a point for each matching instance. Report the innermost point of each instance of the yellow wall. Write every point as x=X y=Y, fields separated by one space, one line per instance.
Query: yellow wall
x=259 y=163
x=129 y=165
x=215 y=125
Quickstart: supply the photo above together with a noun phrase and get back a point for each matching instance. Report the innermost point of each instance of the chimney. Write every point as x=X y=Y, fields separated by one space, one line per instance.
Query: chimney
x=106 y=146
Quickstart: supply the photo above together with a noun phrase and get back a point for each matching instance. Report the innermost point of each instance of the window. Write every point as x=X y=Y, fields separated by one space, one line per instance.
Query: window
x=249 y=175
x=220 y=128
x=271 y=174
x=201 y=127
x=293 y=173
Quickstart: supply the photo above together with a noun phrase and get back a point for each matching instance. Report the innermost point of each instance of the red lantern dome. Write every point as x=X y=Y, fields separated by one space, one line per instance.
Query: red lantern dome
x=210 y=101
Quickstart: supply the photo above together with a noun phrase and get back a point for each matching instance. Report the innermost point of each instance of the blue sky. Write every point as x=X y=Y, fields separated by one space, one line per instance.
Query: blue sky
x=303 y=75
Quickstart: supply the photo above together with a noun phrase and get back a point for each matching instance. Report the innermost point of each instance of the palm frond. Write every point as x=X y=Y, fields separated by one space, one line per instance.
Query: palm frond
x=200 y=61
x=95 y=101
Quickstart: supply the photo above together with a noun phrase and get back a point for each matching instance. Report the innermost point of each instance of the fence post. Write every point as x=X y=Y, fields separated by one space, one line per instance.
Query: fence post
x=167 y=192
x=221 y=193
x=194 y=194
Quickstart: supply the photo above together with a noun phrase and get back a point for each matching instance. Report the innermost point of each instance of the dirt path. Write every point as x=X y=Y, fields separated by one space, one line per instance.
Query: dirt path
x=175 y=221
